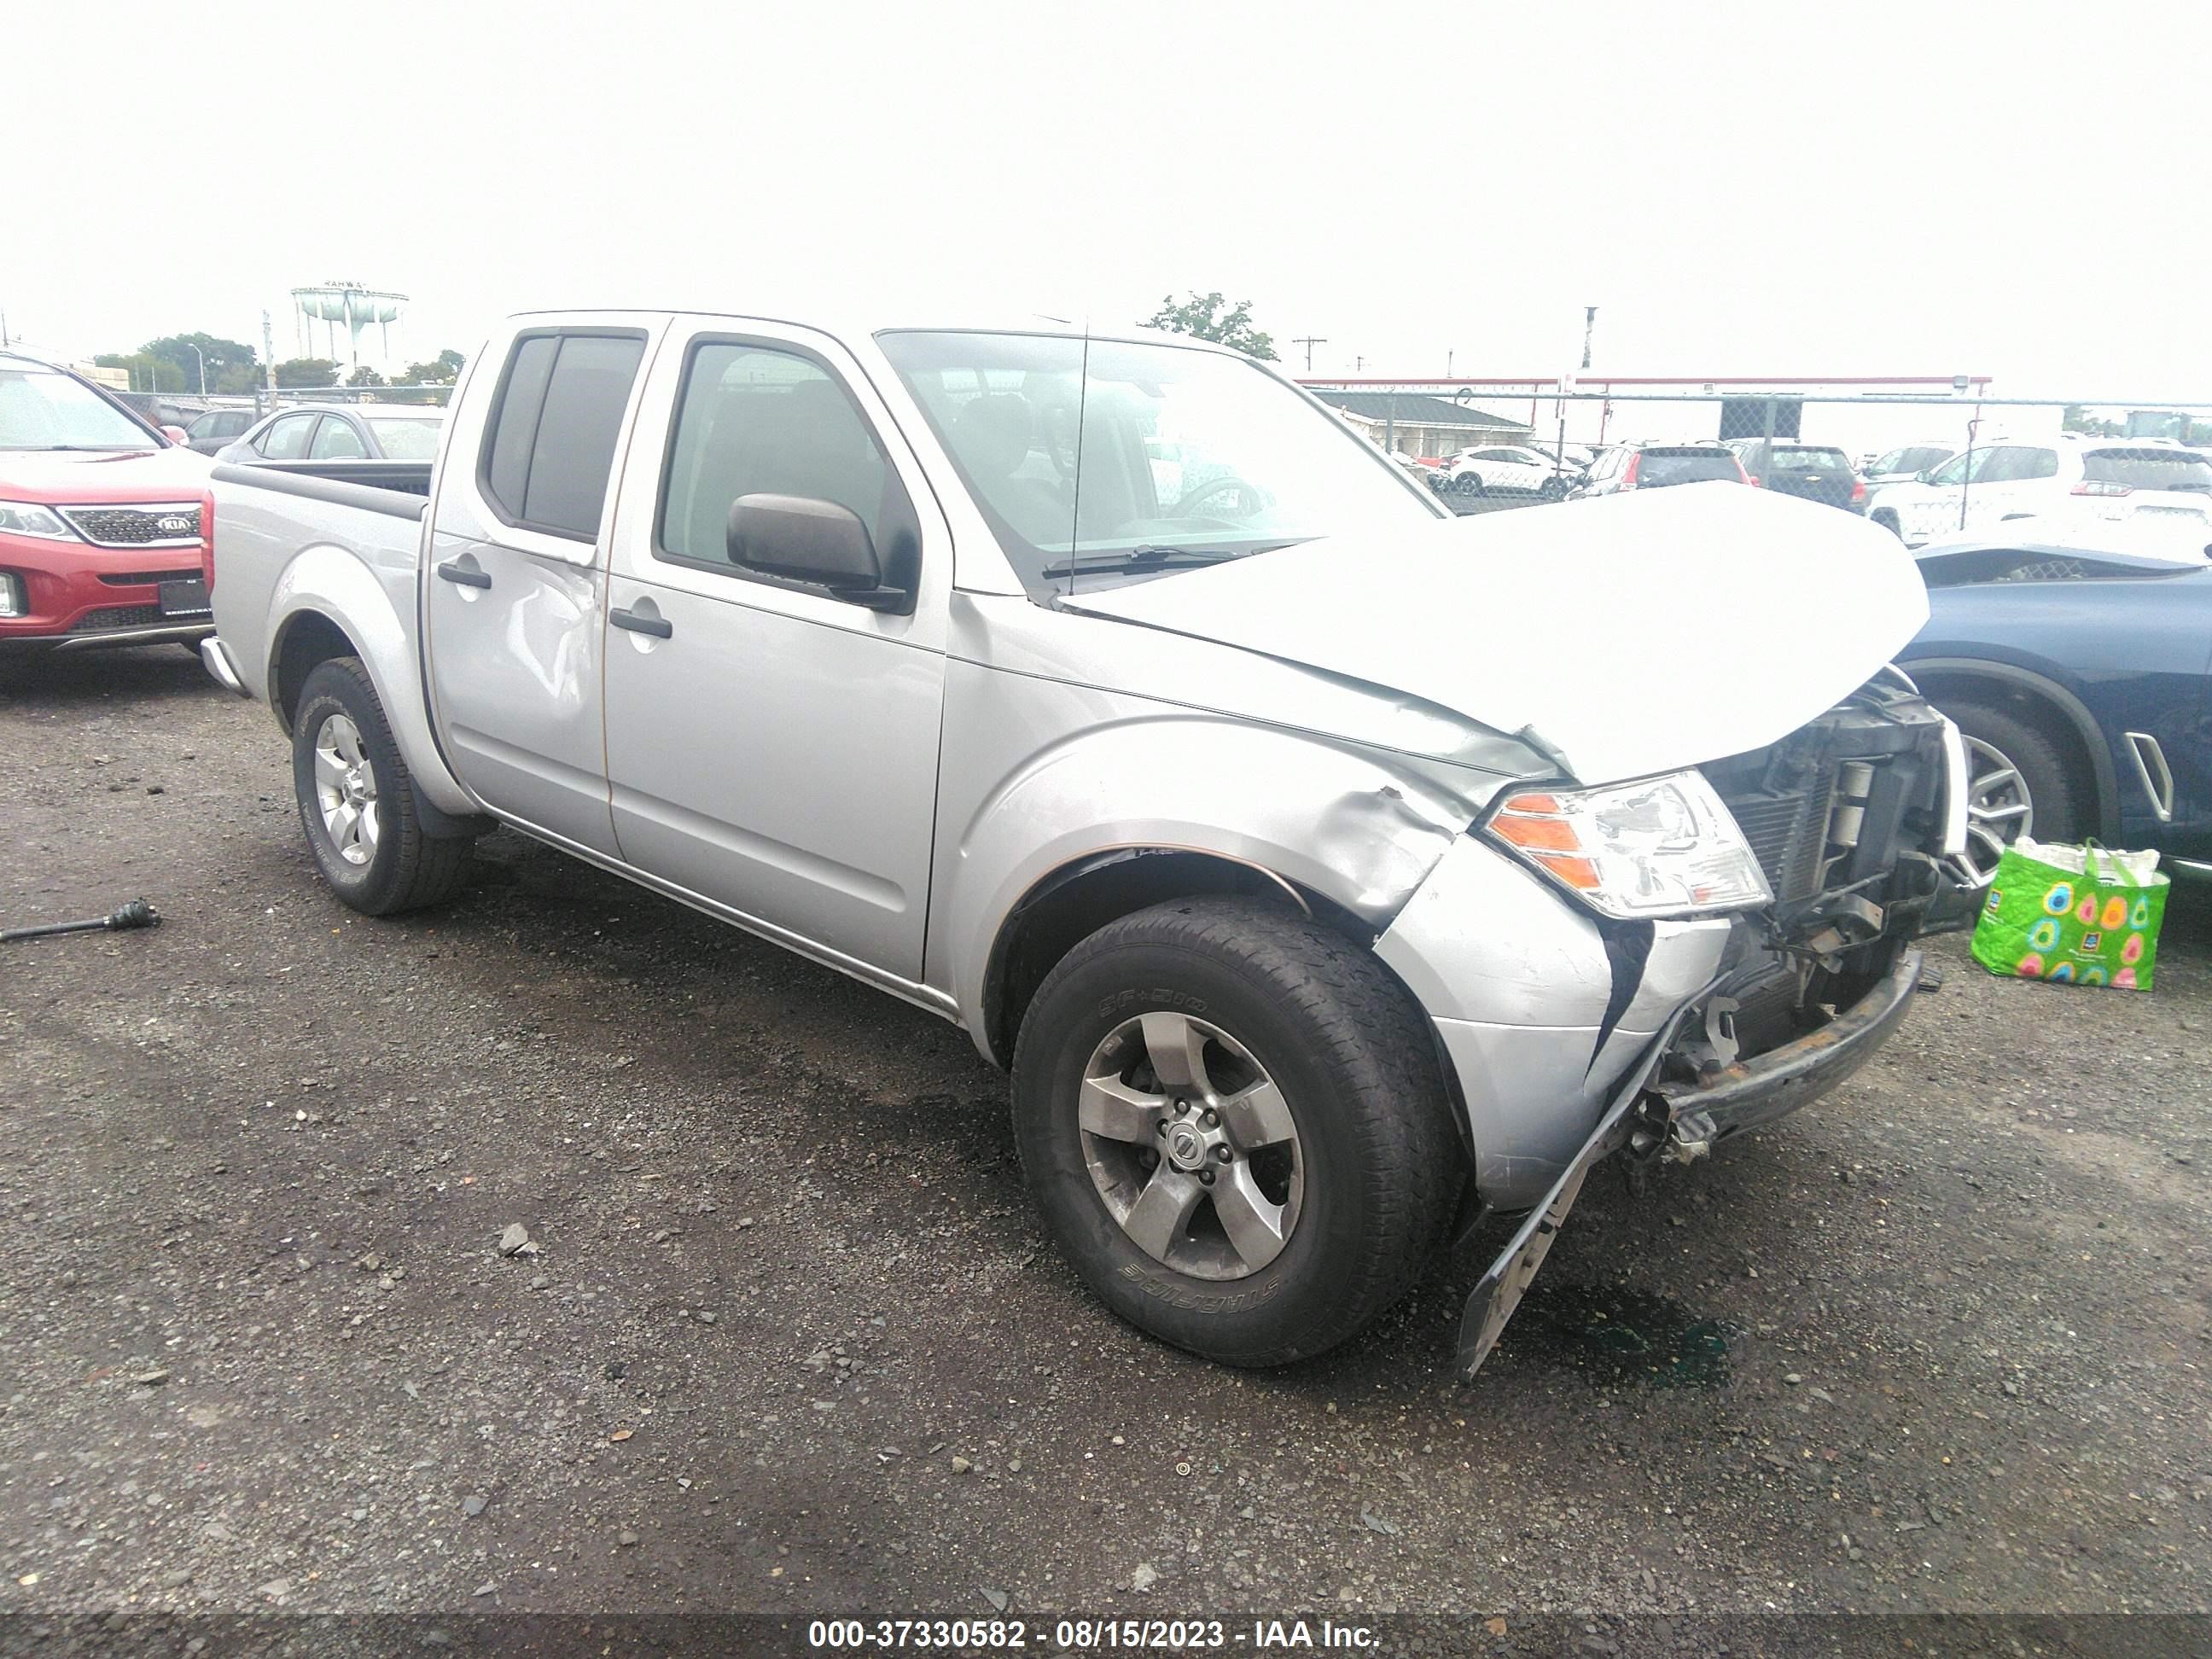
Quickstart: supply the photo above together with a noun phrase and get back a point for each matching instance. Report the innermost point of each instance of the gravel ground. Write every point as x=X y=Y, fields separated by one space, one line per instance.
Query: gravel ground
x=786 y=1336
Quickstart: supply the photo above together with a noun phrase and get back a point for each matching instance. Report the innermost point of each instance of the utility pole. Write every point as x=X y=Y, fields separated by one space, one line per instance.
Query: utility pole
x=1358 y=363
x=1448 y=363
x=202 y=355
x=1309 y=341
x=1590 y=327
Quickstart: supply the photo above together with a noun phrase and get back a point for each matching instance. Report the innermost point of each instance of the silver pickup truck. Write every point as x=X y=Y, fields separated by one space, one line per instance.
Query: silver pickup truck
x=1331 y=873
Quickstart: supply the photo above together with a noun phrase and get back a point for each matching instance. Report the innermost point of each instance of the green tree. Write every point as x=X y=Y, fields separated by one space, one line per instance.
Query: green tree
x=232 y=365
x=306 y=371
x=443 y=369
x=147 y=374
x=364 y=376
x=1208 y=317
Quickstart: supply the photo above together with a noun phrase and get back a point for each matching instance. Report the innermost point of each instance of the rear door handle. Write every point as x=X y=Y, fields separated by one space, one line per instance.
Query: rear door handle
x=659 y=626
x=467 y=576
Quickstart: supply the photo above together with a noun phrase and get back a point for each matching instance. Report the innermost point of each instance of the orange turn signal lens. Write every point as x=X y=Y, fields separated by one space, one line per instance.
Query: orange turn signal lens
x=1579 y=874
x=1532 y=804
x=1537 y=835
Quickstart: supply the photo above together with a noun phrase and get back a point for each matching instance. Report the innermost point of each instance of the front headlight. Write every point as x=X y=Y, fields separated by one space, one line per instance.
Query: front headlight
x=1661 y=847
x=29 y=519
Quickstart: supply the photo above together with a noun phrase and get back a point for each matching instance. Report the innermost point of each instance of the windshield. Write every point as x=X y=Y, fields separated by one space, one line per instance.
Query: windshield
x=406 y=437
x=1658 y=467
x=1185 y=456
x=41 y=410
x=2147 y=469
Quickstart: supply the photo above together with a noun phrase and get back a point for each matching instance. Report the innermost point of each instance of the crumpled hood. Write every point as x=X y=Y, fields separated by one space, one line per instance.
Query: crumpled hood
x=1625 y=636
x=136 y=475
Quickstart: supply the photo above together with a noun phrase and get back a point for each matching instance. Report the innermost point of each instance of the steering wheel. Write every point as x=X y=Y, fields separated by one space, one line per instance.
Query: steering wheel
x=1248 y=498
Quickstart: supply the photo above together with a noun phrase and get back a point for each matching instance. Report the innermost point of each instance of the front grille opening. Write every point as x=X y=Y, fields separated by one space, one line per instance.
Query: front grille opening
x=1788 y=830
x=146 y=578
x=122 y=615
x=135 y=527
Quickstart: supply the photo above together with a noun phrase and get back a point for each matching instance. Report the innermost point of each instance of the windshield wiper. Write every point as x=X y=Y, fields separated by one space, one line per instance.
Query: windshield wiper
x=1139 y=558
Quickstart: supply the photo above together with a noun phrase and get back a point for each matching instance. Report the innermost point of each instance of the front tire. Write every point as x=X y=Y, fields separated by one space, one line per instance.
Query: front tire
x=357 y=800
x=1307 y=1177
x=1888 y=521
x=2018 y=784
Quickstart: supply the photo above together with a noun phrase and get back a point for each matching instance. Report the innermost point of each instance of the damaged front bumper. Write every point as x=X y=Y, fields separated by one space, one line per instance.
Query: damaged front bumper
x=1653 y=1117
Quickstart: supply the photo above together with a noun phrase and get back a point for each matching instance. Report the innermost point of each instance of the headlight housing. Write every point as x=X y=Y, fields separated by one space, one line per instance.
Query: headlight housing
x=29 y=519
x=1658 y=846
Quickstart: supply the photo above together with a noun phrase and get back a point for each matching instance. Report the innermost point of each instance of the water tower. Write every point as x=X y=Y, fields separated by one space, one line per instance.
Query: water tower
x=349 y=303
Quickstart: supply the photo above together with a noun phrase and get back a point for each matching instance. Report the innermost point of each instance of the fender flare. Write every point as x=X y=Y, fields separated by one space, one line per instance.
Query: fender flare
x=2078 y=717
x=331 y=582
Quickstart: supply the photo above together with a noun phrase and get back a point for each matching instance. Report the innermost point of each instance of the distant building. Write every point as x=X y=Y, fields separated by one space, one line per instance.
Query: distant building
x=1413 y=424
x=115 y=379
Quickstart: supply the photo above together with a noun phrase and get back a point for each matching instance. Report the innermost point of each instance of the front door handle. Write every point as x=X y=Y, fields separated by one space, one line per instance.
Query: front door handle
x=466 y=575
x=659 y=626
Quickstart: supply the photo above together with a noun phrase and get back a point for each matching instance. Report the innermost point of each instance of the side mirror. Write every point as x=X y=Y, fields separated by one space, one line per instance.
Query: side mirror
x=1926 y=475
x=803 y=539
x=176 y=434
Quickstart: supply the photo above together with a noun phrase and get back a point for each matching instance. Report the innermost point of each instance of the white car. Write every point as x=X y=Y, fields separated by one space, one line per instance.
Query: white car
x=1509 y=469
x=2066 y=482
x=1905 y=463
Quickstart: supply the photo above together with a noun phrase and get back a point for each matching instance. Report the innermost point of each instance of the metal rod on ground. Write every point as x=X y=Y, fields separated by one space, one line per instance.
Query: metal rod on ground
x=136 y=913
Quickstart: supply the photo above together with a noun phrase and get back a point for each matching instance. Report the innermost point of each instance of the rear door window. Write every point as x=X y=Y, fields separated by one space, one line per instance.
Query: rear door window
x=337 y=441
x=2147 y=469
x=287 y=438
x=551 y=446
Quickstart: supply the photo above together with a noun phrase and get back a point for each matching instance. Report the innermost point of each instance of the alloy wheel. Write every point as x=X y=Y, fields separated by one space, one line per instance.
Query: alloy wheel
x=1999 y=810
x=1193 y=1148
x=345 y=790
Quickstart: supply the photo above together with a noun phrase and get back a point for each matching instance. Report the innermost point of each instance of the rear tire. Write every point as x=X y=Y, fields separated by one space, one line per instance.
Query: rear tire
x=2001 y=738
x=1888 y=521
x=1469 y=483
x=1365 y=1165
x=357 y=800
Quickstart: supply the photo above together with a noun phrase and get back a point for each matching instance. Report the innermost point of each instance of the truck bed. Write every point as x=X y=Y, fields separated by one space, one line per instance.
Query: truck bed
x=299 y=543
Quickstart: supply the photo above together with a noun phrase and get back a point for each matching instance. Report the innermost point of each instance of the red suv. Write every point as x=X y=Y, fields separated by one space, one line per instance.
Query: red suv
x=101 y=519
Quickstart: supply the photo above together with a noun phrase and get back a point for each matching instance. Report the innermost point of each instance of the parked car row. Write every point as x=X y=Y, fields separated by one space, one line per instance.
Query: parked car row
x=2070 y=481
x=102 y=520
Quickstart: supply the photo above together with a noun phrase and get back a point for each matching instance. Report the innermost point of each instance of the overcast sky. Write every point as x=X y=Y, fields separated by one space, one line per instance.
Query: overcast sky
x=1772 y=189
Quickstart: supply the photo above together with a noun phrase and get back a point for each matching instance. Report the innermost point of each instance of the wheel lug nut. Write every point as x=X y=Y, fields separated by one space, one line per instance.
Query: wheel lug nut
x=1206 y=1177
x=1223 y=1154
x=1161 y=1127
x=1213 y=1117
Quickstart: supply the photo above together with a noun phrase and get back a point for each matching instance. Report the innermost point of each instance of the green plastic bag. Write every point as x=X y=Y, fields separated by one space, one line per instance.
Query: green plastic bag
x=2079 y=915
